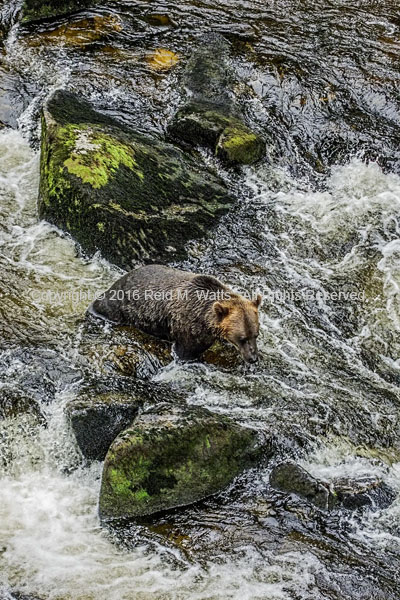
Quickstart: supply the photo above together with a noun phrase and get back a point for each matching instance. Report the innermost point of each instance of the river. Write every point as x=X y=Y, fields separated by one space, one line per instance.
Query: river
x=316 y=230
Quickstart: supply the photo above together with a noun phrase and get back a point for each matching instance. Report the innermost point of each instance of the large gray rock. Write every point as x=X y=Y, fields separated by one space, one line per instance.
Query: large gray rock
x=130 y=196
x=172 y=456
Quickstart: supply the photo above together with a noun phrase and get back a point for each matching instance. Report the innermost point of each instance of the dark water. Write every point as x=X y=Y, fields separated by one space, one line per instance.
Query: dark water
x=316 y=230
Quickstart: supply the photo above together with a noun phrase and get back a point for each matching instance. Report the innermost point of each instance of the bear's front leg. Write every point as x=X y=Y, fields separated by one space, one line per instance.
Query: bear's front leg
x=185 y=353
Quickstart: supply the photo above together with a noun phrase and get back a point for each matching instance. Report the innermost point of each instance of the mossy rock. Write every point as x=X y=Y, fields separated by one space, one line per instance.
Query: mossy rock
x=205 y=125
x=340 y=493
x=130 y=196
x=212 y=118
x=36 y=10
x=170 y=457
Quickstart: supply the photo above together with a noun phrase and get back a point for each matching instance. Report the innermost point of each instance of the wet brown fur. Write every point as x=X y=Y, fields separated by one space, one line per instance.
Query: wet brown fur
x=193 y=324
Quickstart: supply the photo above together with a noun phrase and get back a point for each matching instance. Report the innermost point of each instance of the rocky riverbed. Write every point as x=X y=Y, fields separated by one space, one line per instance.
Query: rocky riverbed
x=255 y=142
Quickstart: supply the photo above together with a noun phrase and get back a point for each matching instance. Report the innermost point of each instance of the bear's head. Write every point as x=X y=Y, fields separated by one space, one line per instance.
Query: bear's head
x=237 y=322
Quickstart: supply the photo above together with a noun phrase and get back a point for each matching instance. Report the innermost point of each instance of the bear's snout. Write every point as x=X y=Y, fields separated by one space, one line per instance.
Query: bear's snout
x=249 y=352
x=253 y=358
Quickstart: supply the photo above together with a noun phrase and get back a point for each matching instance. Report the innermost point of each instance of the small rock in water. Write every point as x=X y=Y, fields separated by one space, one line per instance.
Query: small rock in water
x=339 y=493
x=13 y=404
x=159 y=19
x=291 y=478
x=367 y=492
x=173 y=456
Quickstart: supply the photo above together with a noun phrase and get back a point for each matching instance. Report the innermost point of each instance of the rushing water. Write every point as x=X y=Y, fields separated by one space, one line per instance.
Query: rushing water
x=322 y=245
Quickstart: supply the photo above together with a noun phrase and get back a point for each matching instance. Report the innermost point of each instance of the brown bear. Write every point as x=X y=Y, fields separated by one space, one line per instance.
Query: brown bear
x=188 y=309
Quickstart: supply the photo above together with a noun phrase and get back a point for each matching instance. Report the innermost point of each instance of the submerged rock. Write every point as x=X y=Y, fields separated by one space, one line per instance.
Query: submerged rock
x=291 y=478
x=211 y=118
x=172 y=456
x=340 y=493
x=162 y=59
x=77 y=33
x=13 y=404
x=36 y=10
x=130 y=196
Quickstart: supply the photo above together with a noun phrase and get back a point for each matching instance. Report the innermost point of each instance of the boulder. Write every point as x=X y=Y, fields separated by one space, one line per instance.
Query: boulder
x=128 y=195
x=212 y=118
x=36 y=10
x=104 y=408
x=172 y=456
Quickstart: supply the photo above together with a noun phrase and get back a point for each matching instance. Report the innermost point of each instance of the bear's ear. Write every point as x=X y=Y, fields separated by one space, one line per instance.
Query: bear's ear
x=257 y=301
x=220 y=310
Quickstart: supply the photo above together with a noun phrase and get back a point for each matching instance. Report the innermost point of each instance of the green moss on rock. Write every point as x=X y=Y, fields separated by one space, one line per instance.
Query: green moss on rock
x=95 y=157
x=231 y=140
x=117 y=191
x=212 y=118
x=172 y=457
x=238 y=144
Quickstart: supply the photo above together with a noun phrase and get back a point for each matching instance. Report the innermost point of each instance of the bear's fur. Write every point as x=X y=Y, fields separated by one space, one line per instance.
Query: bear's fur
x=190 y=310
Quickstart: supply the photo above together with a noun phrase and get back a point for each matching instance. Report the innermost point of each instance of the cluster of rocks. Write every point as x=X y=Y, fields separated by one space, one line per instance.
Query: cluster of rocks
x=159 y=452
x=137 y=197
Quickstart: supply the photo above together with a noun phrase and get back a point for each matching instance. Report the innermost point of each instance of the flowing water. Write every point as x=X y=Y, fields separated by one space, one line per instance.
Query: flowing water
x=321 y=242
